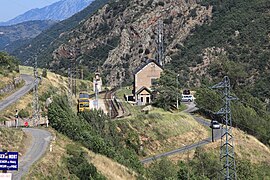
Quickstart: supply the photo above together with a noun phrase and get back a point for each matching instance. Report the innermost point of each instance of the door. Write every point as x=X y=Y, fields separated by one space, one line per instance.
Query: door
x=147 y=99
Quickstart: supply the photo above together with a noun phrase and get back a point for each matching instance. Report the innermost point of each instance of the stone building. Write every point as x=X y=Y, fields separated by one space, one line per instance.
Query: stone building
x=144 y=78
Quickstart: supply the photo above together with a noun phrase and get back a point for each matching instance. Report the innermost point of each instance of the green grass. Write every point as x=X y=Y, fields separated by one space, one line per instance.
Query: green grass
x=12 y=139
x=160 y=124
x=158 y=130
x=132 y=109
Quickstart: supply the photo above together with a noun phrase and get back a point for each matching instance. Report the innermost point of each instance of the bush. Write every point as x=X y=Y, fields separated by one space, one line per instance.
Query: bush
x=44 y=73
x=23 y=113
x=91 y=130
x=79 y=166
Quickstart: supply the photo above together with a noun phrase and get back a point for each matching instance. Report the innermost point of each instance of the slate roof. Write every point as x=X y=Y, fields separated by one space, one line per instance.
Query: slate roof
x=143 y=88
x=146 y=63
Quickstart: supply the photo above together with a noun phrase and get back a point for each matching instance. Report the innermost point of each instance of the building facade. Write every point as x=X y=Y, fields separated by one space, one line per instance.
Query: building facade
x=144 y=78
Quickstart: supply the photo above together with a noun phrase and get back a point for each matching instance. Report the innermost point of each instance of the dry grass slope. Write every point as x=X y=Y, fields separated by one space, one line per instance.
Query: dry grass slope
x=13 y=140
x=52 y=165
x=55 y=81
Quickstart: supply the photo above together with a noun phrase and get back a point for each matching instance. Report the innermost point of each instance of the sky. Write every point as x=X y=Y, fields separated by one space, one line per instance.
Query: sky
x=9 y=9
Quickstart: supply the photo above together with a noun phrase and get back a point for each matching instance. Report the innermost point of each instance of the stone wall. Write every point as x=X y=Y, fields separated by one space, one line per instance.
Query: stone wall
x=11 y=86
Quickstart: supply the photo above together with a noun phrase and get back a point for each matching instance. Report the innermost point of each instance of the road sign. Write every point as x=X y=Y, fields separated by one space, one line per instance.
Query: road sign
x=9 y=161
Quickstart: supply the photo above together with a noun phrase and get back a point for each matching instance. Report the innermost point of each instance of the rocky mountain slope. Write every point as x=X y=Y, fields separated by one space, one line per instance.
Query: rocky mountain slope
x=57 y=11
x=122 y=33
x=13 y=36
x=46 y=42
x=203 y=41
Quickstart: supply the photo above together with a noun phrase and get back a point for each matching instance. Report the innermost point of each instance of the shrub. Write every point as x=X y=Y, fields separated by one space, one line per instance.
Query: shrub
x=23 y=113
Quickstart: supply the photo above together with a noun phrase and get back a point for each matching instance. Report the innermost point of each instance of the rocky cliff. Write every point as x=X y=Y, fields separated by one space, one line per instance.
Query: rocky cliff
x=122 y=33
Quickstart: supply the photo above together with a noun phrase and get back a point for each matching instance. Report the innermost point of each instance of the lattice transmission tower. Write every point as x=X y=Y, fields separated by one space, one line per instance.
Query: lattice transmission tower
x=160 y=42
x=228 y=170
x=36 y=113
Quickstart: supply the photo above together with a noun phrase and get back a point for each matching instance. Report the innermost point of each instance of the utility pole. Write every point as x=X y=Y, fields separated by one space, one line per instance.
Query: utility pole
x=81 y=73
x=75 y=79
x=96 y=94
x=177 y=101
x=160 y=42
x=36 y=113
x=69 y=86
x=227 y=159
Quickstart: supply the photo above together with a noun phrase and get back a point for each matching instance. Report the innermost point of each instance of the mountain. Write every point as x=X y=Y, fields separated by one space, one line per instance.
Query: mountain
x=57 y=11
x=119 y=35
x=13 y=36
x=45 y=42
x=203 y=41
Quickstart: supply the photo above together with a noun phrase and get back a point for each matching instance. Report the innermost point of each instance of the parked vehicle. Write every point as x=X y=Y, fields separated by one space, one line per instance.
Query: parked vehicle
x=187 y=98
x=215 y=125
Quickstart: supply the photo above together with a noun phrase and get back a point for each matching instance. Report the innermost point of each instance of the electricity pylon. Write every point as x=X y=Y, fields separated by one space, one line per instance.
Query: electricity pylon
x=36 y=113
x=227 y=159
x=160 y=42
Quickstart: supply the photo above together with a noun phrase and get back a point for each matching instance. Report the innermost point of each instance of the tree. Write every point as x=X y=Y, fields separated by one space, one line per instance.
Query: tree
x=166 y=91
x=163 y=170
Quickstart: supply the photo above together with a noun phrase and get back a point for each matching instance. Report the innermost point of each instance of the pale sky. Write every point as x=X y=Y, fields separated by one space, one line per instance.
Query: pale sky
x=9 y=9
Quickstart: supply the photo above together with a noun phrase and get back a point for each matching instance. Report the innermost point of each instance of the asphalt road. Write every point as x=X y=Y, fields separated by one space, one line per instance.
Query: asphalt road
x=190 y=109
x=29 y=83
x=40 y=141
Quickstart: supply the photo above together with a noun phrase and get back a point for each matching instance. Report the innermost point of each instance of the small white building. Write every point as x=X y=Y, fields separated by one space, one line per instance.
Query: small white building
x=97 y=82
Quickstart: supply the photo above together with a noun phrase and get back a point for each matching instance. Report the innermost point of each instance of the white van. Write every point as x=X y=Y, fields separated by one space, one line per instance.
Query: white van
x=187 y=98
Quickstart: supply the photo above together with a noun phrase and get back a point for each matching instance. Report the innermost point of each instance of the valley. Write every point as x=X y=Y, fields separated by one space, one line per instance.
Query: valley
x=138 y=89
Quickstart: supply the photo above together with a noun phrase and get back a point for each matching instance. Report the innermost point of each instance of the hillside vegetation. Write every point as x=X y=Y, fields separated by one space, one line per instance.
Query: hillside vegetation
x=112 y=37
x=58 y=163
x=234 y=43
x=13 y=140
x=12 y=37
x=8 y=64
x=9 y=69
x=44 y=44
x=50 y=86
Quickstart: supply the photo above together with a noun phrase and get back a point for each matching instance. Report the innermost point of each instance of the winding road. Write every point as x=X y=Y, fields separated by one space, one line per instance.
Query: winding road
x=29 y=84
x=40 y=141
x=217 y=134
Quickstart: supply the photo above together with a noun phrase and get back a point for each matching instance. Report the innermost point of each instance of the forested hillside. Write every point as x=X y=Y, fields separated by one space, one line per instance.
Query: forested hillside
x=44 y=44
x=9 y=69
x=203 y=41
x=118 y=36
x=12 y=37
x=8 y=64
x=235 y=42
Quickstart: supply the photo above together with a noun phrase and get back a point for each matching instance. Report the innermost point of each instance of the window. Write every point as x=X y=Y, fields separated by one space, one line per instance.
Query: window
x=154 y=81
x=141 y=99
x=147 y=100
